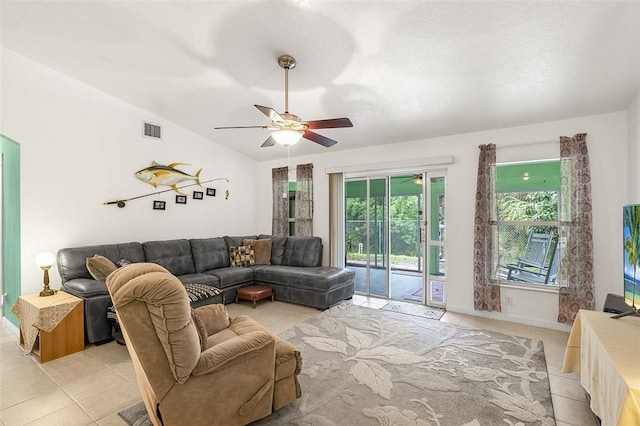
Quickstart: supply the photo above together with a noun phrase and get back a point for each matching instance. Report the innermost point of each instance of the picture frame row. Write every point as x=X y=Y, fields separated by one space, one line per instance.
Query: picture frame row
x=182 y=199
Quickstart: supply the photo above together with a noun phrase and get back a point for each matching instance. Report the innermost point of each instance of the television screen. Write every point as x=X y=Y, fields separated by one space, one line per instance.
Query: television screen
x=631 y=240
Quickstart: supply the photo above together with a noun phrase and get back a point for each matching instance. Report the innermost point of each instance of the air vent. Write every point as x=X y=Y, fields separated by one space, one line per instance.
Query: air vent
x=151 y=130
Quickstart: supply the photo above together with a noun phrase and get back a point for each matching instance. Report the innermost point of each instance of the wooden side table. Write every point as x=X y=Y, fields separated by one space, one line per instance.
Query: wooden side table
x=52 y=326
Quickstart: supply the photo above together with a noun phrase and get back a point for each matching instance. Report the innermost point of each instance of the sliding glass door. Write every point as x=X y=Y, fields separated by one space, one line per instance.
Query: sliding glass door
x=389 y=240
x=435 y=237
x=366 y=230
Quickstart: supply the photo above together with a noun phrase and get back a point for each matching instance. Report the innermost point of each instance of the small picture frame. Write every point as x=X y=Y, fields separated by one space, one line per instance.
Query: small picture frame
x=159 y=205
x=197 y=195
x=181 y=199
x=211 y=192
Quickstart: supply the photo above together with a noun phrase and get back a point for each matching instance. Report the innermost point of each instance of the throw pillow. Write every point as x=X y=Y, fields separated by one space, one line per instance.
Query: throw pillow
x=215 y=317
x=202 y=330
x=99 y=267
x=261 y=250
x=241 y=256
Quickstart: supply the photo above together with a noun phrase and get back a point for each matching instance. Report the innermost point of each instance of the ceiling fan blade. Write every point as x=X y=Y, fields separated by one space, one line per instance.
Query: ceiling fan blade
x=241 y=127
x=332 y=123
x=271 y=113
x=322 y=140
x=269 y=142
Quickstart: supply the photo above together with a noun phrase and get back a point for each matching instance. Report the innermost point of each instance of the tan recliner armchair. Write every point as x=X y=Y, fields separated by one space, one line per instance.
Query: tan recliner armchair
x=237 y=376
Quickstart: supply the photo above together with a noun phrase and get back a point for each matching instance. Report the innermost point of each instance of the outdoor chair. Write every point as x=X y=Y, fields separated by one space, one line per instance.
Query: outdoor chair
x=545 y=276
x=531 y=267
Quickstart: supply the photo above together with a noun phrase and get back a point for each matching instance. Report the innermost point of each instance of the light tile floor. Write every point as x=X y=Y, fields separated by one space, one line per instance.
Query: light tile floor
x=92 y=386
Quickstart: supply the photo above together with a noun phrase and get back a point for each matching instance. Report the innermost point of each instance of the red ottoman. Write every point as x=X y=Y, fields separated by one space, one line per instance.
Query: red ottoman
x=254 y=293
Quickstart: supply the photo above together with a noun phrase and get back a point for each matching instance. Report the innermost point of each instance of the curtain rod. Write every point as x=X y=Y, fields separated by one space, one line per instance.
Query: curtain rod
x=526 y=144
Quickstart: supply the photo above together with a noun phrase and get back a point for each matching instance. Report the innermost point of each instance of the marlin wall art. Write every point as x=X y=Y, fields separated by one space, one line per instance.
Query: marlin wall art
x=158 y=174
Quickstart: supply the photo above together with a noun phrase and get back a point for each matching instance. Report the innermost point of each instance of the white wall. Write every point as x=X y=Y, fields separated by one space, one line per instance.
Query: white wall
x=607 y=141
x=80 y=148
x=633 y=157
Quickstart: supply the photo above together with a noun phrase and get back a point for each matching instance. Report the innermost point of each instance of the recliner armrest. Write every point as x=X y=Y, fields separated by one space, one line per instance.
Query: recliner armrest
x=217 y=356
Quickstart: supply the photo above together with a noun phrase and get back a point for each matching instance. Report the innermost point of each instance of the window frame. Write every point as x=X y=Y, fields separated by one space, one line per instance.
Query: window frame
x=557 y=224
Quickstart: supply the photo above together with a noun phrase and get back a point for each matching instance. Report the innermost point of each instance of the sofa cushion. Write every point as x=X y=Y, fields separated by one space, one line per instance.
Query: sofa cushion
x=209 y=253
x=173 y=255
x=99 y=267
x=71 y=262
x=261 y=250
x=303 y=251
x=241 y=256
x=317 y=278
x=278 y=242
x=205 y=279
x=232 y=276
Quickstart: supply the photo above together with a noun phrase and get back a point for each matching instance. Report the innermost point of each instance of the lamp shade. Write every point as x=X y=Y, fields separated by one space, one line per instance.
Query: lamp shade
x=45 y=259
x=287 y=137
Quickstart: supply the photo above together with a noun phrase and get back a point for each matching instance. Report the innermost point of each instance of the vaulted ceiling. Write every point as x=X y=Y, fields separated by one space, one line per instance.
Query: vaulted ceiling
x=400 y=70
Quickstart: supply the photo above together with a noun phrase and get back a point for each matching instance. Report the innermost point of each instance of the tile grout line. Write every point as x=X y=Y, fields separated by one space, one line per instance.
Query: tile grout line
x=58 y=386
x=75 y=402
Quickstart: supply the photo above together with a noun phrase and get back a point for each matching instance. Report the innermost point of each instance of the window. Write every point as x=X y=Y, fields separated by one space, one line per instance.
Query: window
x=292 y=208
x=527 y=199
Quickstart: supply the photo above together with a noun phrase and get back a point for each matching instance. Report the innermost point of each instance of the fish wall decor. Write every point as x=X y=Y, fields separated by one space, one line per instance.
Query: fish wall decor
x=158 y=174
x=123 y=202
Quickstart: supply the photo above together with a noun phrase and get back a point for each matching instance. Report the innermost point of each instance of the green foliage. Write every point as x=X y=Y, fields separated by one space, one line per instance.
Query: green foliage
x=405 y=226
x=521 y=206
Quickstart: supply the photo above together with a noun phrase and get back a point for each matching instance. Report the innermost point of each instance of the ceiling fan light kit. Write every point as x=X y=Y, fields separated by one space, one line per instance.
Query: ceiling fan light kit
x=287 y=137
x=287 y=128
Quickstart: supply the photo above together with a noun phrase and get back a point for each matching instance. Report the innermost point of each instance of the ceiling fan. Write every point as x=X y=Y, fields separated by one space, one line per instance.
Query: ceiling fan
x=289 y=128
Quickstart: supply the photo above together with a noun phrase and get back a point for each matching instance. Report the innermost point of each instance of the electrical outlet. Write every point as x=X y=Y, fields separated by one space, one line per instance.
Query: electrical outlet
x=508 y=300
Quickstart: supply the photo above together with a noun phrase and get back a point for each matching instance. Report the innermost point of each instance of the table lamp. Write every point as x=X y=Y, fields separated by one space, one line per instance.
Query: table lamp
x=45 y=261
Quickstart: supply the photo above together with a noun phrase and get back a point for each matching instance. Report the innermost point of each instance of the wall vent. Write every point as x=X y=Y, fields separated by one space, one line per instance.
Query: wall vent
x=151 y=130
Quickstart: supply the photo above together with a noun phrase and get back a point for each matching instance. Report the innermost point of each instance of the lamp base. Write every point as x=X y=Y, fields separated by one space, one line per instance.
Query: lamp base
x=47 y=292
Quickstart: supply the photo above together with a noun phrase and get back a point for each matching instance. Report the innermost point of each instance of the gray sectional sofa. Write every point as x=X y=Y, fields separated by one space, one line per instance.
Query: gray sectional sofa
x=295 y=273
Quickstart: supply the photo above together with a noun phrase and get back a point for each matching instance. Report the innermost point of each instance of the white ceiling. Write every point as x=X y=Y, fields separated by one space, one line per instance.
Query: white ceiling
x=400 y=70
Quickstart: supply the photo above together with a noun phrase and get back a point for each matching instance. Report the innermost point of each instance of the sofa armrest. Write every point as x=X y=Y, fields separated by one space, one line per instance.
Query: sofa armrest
x=85 y=287
x=216 y=357
x=215 y=317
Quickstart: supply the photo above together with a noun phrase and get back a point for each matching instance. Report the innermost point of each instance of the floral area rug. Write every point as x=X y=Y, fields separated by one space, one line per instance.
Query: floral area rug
x=364 y=366
x=414 y=309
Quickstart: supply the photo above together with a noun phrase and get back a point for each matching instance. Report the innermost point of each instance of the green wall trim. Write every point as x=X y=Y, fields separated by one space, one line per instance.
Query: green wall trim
x=10 y=151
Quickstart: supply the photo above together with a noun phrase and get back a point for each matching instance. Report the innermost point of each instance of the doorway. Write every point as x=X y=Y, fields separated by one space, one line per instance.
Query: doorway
x=10 y=260
x=395 y=236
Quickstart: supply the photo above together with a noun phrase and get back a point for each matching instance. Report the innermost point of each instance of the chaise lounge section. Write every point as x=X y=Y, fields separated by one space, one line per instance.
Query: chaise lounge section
x=293 y=272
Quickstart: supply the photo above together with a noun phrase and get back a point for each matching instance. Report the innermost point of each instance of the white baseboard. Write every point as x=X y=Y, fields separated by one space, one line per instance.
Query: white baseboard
x=500 y=316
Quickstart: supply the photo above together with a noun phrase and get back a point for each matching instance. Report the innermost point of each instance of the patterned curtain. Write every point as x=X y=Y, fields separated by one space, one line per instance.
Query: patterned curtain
x=576 y=229
x=304 y=200
x=280 y=189
x=486 y=291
